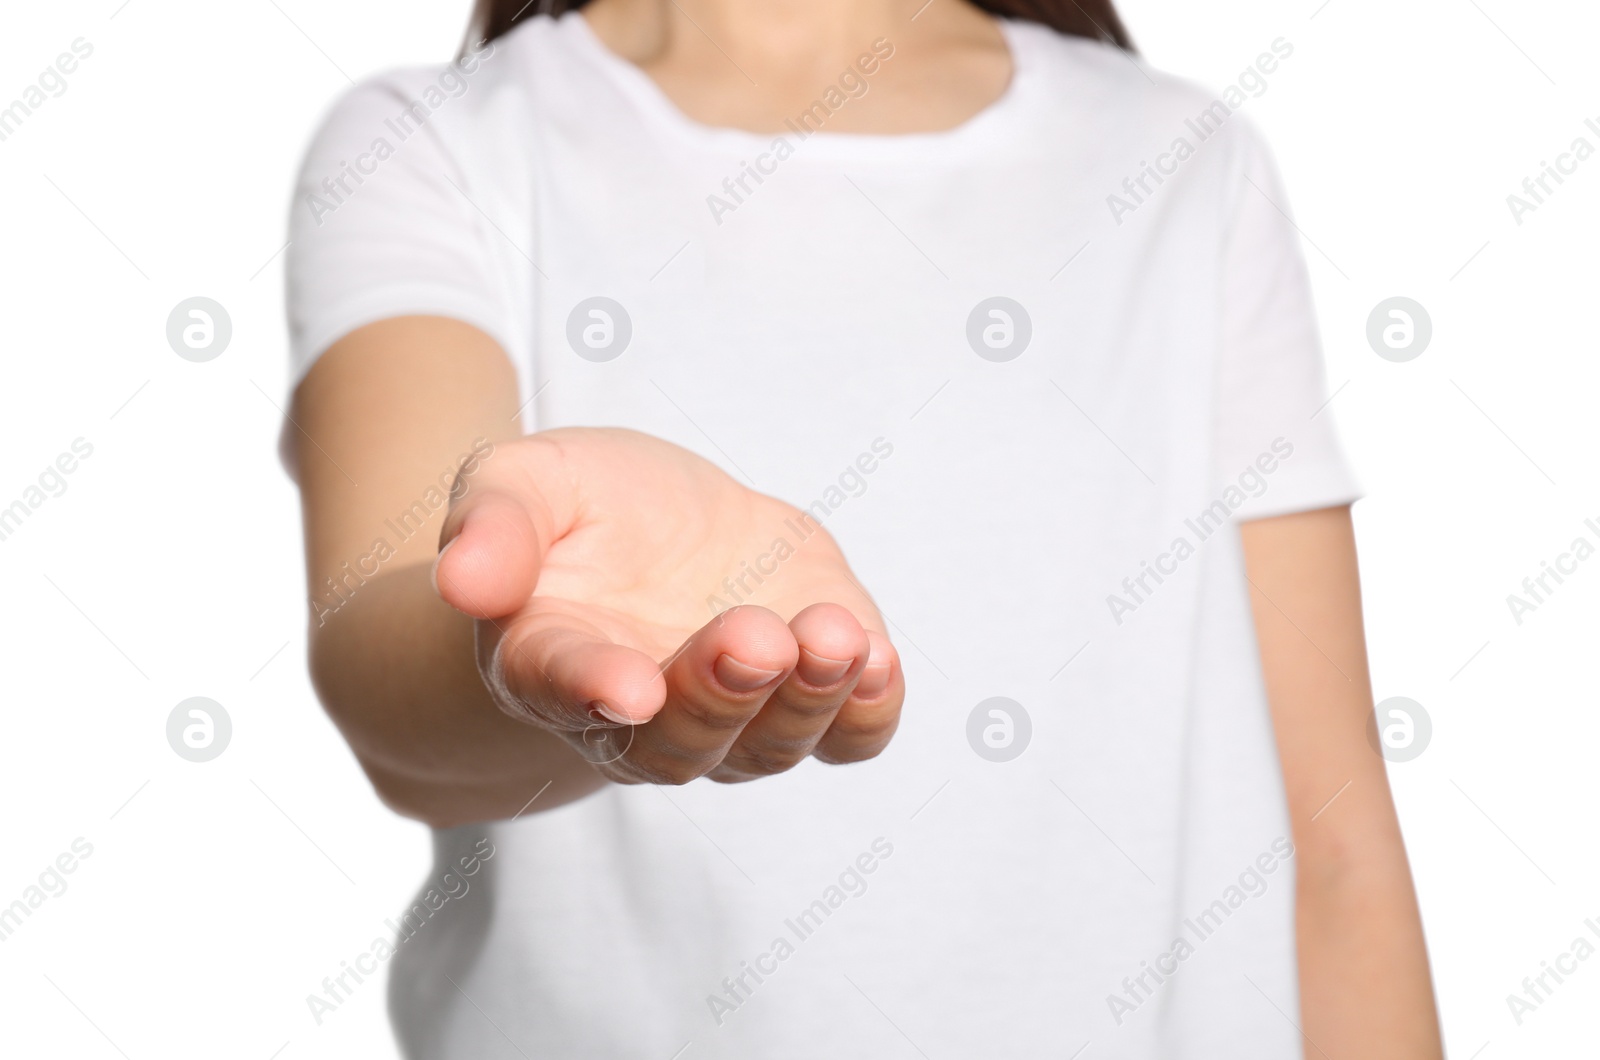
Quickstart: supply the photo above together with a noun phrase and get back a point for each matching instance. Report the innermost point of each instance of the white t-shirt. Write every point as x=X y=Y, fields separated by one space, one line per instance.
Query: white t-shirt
x=1029 y=372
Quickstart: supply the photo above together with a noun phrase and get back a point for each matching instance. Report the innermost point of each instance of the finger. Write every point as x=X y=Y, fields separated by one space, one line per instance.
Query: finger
x=833 y=653
x=864 y=725
x=568 y=676
x=494 y=538
x=714 y=686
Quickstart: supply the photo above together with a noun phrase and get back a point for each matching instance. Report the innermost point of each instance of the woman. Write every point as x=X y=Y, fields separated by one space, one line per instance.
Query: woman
x=683 y=301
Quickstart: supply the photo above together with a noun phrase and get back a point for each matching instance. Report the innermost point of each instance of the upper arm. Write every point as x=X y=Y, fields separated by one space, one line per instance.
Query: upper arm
x=1306 y=598
x=1299 y=545
x=398 y=330
x=1274 y=435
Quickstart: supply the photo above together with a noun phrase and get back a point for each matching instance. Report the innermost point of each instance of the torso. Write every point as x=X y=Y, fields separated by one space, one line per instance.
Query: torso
x=830 y=317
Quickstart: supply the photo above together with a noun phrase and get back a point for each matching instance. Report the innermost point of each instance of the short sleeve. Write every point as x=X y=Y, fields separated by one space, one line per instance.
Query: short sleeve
x=1275 y=436
x=383 y=225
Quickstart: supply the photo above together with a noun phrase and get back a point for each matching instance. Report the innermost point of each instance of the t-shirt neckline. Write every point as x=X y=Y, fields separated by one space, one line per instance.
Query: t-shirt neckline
x=985 y=129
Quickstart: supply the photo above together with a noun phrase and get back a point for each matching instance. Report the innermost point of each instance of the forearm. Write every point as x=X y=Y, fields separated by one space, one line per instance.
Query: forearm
x=395 y=668
x=1365 y=988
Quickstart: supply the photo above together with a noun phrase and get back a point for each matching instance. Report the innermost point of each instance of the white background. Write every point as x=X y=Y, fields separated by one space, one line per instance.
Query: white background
x=219 y=895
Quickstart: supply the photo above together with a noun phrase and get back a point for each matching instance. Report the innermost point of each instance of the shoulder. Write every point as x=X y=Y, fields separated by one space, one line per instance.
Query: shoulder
x=1127 y=99
x=487 y=82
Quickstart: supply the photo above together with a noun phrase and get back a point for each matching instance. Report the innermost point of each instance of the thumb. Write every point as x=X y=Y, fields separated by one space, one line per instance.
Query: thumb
x=489 y=561
x=495 y=538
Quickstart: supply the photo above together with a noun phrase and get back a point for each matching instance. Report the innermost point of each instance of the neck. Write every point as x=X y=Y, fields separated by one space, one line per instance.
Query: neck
x=748 y=63
x=754 y=29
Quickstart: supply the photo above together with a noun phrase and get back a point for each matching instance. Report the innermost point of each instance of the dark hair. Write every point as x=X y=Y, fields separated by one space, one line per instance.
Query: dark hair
x=1095 y=19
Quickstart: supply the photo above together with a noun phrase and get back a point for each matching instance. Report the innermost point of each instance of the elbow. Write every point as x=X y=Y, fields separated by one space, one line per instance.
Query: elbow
x=348 y=702
x=407 y=798
x=330 y=668
x=1342 y=862
x=350 y=696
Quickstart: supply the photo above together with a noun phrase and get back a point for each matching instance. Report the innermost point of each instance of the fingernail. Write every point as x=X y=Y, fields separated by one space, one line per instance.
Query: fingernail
x=874 y=679
x=599 y=710
x=820 y=671
x=739 y=677
x=433 y=572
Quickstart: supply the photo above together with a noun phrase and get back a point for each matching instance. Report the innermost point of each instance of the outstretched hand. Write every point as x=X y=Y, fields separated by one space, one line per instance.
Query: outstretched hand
x=594 y=561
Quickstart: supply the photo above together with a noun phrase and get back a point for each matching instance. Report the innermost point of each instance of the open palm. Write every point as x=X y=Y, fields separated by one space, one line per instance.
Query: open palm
x=665 y=620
